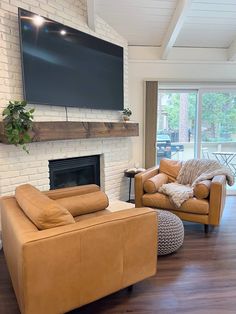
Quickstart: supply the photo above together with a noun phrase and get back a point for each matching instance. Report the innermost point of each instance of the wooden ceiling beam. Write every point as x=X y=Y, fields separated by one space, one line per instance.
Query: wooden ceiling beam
x=232 y=51
x=91 y=14
x=175 y=27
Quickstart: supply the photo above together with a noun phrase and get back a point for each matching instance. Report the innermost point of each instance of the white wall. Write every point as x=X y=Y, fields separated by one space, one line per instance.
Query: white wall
x=16 y=167
x=184 y=65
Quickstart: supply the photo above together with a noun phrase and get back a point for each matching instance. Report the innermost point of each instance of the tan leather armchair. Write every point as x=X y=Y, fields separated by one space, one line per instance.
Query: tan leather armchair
x=206 y=211
x=59 y=269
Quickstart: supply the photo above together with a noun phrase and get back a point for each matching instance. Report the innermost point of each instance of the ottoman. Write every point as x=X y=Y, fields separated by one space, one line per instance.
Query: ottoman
x=170 y=232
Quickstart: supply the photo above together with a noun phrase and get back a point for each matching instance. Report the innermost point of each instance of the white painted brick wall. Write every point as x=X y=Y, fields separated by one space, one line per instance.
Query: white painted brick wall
x=16 y=167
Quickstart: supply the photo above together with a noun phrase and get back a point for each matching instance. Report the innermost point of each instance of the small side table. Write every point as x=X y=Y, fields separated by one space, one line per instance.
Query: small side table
x=130 y=175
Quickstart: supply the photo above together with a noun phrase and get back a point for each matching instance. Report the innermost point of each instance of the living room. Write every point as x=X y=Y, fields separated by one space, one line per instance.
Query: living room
x=172 y=72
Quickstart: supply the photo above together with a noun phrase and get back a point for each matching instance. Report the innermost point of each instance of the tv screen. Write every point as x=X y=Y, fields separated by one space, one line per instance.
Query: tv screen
x=66 y=67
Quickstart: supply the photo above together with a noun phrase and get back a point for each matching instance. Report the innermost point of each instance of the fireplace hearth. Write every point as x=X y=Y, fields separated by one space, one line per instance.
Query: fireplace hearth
x=74 y=171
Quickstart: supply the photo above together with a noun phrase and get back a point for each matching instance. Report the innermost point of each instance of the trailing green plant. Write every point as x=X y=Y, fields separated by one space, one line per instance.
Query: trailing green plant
x=127 y=112
x=18 y=122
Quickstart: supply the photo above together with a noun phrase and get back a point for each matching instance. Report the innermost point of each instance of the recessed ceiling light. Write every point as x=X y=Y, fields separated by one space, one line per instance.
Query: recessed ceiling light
x=63 y=32
x=38 y=20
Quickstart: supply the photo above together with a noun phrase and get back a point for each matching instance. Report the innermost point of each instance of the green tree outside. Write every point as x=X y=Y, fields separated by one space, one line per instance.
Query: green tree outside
x=218 y=114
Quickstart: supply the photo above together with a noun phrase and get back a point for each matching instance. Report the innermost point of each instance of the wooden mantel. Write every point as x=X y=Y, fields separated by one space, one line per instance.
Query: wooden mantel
x=68 y=130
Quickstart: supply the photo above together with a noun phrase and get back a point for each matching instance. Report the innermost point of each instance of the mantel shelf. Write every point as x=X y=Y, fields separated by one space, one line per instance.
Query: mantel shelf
x=68 y=130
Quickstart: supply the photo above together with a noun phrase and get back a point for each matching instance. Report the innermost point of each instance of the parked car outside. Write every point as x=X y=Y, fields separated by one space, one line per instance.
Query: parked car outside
x=163 y=146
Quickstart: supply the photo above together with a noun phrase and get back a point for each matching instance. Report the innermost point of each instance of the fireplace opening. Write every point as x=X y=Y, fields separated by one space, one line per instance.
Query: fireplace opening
x=74 y=171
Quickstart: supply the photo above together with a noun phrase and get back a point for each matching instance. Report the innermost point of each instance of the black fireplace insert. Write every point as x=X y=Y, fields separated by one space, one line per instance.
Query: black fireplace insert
x=74 y=171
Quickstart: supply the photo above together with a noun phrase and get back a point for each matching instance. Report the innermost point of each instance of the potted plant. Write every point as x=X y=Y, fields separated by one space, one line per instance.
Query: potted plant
x=126 y=114
x=18 y=122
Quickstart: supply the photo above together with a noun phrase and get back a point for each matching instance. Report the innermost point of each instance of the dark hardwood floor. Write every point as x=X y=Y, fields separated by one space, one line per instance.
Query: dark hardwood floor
x=199 y=278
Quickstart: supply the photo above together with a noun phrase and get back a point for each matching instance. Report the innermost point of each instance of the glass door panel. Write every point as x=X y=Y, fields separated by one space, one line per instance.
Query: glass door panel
x=176 y=124
x=218 y=128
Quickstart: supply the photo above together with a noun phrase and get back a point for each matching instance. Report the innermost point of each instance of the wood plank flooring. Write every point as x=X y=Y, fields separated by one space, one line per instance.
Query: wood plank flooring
x=200 y=278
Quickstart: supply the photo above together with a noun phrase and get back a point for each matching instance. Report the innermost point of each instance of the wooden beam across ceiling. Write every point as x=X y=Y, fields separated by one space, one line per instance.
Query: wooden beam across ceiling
x=91 y=14
x=175 y=26
x=232 y=51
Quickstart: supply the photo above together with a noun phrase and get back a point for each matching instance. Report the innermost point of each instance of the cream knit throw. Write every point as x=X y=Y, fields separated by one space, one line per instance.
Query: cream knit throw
x=192 y=172
x=178 y=193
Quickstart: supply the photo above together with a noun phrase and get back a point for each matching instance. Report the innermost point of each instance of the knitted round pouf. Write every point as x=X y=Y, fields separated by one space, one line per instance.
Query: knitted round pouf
x=170 y=232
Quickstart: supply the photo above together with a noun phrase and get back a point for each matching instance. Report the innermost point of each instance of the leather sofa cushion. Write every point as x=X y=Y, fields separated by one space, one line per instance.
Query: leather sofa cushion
x=85 y=204
x=40 y=209
x=192 y=205
x=202 y=189
x=152 y=185
x=72 y=191
x=170 y=167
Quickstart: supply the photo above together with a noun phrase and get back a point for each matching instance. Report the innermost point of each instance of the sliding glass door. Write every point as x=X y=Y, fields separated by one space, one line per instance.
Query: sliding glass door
x=197 y=123
x=218 y=127
x=176 y=124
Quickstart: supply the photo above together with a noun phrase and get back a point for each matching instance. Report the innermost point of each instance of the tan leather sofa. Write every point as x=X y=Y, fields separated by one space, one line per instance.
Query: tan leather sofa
x=207 y=211
x=59 y=269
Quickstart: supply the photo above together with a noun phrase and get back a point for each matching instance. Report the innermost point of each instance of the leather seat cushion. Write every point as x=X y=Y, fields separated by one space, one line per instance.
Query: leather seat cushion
x=192 y=205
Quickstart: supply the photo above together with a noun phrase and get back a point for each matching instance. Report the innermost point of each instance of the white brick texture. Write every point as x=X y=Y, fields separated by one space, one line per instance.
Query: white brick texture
x=16 y=167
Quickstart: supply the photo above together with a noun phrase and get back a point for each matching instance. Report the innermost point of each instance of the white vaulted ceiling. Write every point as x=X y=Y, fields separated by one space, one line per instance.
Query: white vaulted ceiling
x=141 y=22
x=210 y=23
x=206 y=23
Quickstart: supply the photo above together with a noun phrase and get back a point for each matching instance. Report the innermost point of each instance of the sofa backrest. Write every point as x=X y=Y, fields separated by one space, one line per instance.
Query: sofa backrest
x=170 y=167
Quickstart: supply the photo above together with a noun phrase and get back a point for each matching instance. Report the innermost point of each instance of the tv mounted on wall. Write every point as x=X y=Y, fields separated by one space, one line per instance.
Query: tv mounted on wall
x=66 y=67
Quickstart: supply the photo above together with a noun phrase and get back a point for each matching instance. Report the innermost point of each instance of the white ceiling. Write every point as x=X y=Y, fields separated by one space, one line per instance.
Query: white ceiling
x=208 y=23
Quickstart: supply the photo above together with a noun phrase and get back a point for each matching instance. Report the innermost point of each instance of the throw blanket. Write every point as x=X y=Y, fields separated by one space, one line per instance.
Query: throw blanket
x=178 y=193
x=192 y=172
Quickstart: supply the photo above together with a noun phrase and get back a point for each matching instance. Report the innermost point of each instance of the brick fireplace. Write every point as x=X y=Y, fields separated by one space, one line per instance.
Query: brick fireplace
x=16 y=167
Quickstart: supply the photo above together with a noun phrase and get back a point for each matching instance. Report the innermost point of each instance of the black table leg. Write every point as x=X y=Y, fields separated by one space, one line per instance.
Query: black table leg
x=130 y=179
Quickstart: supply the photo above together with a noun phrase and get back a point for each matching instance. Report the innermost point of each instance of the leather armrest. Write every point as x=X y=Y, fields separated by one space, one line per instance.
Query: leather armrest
x=221 y=179
x=88 y=260
x=72 y=191
x=92 y=222
x=139 y=180
x=217 y=199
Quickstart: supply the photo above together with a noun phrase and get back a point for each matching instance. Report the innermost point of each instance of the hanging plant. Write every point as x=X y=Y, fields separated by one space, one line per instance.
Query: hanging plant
x=18 y=122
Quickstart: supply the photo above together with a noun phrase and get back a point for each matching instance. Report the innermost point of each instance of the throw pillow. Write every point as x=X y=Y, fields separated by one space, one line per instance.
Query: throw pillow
x=202 y=189
x=40 y=209
x=154 y=183
x=85 y=204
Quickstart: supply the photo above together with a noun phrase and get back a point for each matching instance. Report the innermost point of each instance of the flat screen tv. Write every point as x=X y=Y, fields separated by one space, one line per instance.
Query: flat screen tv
x=66 y=67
